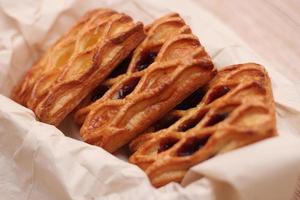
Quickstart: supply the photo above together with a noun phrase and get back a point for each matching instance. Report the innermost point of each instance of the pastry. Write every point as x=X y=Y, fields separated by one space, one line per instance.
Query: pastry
x=149 y=90
x=77 y=63
x=234 y=110
x=158 y=33
x=55 y=58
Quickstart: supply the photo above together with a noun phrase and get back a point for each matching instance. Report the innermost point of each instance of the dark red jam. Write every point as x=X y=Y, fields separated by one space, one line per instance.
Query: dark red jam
x=98 y=92
x=146 y=60
x=166 y=144
x=192 y=100
x=217 y=118
x=191 y=123
x=217 y=93
x=127 y=88
x=121 y=68
x=165 y=122
x=192 y=145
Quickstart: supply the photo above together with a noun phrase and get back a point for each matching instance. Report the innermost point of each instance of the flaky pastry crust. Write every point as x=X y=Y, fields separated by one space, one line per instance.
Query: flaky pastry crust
x=77 y=63
x=237 y=109
x=148 y=91
x=158 y=33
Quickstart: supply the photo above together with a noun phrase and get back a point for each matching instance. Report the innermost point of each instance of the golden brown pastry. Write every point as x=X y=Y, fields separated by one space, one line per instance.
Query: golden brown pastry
x=157 y=34
x=77 y=63
x=237 y=109
x=148 y=91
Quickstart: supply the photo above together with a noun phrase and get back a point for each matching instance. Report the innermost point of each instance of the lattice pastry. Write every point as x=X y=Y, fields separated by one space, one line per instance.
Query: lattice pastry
x=237 y=109
x=77 y=63
x=144 y=55
x=148 y=91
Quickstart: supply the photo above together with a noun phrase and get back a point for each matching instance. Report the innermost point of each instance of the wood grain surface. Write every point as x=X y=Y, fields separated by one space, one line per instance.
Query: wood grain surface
x=270 y=27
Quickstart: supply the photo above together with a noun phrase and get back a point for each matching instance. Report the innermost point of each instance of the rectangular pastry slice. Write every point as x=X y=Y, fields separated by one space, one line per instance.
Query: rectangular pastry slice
x=166 y=67
x=234 y=110
x=77 y=63
x=144 y=55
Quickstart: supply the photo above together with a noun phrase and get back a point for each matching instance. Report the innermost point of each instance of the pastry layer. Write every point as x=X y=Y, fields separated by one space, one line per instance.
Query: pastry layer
x=77 y=63
x=148 y=90
x=144 y=55
x=234 y=110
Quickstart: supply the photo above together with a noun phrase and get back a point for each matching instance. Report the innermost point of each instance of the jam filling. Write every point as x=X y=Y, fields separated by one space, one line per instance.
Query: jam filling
x=98 y=92
x=192 y=100
x=127 y=88
x=192 y=122
x=217 y=93
x=166 y=144
x=146 y=60
x=192 y=145
x=121 y=68
x=217 y=118
x=165 y=122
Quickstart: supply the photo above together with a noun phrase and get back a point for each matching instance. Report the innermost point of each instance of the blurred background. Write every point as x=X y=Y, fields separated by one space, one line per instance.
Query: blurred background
x=270 y=27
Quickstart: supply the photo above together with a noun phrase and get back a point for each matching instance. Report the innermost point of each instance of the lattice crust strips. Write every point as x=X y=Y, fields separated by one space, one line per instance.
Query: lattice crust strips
x=181 y=66
x=77 y=63
x=237 y=109
x=157 y=34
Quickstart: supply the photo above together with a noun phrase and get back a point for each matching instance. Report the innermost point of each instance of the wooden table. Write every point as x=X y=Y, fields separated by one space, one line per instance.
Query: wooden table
x=270 y=27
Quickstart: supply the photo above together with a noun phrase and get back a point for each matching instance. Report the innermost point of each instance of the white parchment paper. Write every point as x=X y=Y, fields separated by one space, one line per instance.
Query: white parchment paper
x=37 y=161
